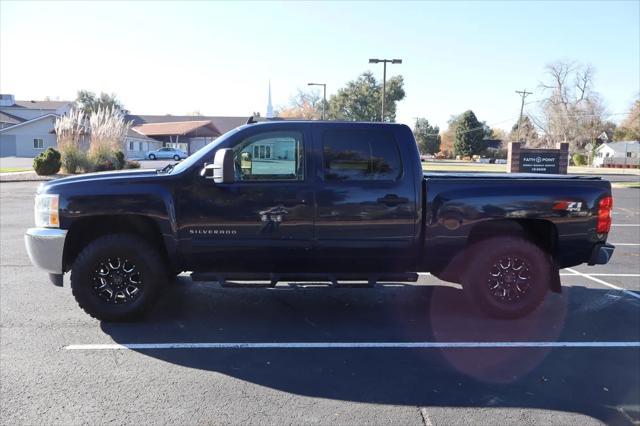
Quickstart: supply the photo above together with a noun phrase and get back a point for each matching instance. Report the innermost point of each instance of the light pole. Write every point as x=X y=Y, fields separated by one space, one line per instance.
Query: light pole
x=324 y=94
x=384 y=77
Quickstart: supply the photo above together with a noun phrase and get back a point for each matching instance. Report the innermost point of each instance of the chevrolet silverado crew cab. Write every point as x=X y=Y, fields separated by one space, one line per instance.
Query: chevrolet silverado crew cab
x=316 y=201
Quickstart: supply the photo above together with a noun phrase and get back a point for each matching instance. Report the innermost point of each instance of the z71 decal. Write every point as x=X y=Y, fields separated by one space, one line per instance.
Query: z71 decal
x=568 y=206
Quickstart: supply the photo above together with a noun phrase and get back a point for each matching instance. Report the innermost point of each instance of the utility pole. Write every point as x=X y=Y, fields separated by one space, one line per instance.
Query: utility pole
x=384 y=78
x=524 y=94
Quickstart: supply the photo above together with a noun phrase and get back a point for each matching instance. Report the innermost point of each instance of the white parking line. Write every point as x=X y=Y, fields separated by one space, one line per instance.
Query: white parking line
x=425 y=417
x=598 y=280
x=601 y=275
x=350 y=345
x=625 y=224
x=626 y=244
x=614 y=275
x=427 y=274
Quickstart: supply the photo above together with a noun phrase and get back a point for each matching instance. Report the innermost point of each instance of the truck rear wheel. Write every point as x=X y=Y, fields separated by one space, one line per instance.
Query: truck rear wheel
x=508 y=277
x=117 y=277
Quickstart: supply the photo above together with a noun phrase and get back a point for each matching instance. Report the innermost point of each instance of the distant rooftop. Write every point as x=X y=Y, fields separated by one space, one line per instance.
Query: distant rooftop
x=222 y=124
x=8 y=101
x=10 y=119
x=131 y=133
x=177 y=128
x=41 y=104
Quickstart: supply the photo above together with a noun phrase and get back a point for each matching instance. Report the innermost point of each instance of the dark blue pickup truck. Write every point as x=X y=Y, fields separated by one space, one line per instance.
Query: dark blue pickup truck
x=316 y=201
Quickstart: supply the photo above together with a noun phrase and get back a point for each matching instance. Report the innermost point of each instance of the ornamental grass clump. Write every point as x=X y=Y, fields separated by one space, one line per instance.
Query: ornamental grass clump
x=108 y=129
x=69 y=131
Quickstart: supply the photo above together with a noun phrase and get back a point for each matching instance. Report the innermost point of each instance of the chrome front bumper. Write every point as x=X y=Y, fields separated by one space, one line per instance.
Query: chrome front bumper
x=45 y=247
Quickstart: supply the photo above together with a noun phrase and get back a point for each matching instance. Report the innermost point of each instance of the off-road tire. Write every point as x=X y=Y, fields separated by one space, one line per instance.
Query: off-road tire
x=477 y=281
x=147 y=260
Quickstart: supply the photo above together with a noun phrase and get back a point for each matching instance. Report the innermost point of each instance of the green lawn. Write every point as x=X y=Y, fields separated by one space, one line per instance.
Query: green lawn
x=14 y=169
x=463 y=167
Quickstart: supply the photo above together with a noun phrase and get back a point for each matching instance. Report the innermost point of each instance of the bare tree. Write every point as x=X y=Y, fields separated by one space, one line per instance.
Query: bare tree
x=304 y=104
x=572 y=111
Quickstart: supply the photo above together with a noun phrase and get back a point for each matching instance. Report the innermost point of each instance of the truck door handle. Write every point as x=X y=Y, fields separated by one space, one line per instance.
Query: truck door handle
x=392 y=200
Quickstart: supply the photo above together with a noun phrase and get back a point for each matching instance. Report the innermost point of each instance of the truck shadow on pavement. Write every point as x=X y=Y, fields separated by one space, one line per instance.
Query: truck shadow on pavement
x=600 y=382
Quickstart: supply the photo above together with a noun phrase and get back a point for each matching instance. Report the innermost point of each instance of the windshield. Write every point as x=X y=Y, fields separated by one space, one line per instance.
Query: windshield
x=204 y=154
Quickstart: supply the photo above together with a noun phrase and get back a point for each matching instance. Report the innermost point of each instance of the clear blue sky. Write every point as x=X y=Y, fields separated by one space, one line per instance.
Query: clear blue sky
x=217 y=57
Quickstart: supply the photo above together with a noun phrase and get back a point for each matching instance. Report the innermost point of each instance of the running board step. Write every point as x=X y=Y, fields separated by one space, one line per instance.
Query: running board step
x=228 y=279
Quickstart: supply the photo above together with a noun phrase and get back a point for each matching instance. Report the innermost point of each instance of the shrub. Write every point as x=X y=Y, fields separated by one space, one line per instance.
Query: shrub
x=73 y=160
x=120 y=161
x=84 y=164
x=47 y=162
x=579 y=159
x=99 y=154
x=104 y=165
x=131 y=164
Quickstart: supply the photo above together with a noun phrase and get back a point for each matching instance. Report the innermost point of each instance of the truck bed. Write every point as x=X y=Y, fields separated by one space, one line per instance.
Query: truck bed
x=460 y=206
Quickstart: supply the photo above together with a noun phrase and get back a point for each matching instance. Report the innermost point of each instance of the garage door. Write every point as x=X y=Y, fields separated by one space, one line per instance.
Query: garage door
x=7 y=145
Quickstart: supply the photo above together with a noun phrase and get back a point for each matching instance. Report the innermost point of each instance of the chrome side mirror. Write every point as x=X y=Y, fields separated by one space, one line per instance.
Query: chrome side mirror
x=222 y=169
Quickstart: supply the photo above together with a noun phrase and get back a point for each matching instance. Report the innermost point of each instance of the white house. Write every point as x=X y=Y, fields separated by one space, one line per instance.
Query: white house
x=617 y=153
x=26 y=127
x=137 y=145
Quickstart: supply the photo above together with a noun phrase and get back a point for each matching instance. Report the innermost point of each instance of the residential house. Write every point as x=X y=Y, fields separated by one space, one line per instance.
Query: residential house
x=26 y=127
x=136 y=145
x=605 y=137
x=185 y=132
x=617 y=154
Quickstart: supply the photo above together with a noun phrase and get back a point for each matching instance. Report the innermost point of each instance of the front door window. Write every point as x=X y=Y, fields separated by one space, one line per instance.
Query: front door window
x=270 y=156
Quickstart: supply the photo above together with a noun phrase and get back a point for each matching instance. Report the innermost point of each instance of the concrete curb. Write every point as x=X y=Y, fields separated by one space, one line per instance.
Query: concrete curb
x=27 y=177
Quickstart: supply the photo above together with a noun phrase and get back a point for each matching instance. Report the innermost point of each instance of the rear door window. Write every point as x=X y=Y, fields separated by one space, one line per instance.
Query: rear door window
x=352 y=155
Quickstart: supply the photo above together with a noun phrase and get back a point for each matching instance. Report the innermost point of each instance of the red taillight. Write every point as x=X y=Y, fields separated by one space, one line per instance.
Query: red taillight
x=604 y=215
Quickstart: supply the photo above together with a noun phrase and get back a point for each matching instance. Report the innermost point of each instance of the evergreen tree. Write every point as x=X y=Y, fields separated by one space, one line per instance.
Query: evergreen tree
x=427 y=136
x=468 y=135
x=360 y=100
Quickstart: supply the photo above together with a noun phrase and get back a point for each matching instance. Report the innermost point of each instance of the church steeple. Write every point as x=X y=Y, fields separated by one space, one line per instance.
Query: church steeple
x=269 y=106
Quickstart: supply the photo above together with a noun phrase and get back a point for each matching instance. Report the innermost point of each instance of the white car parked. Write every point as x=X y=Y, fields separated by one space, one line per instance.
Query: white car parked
x=165 y=153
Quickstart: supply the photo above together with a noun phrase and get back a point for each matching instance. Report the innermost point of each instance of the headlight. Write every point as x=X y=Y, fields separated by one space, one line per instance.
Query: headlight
x=47 y=211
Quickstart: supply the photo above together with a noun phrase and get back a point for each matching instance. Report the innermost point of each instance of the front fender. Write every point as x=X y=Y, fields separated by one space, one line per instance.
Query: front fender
x=138 y=200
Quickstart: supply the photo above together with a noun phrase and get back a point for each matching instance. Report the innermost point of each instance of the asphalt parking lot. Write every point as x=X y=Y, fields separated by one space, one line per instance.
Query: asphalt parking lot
x=428 y=360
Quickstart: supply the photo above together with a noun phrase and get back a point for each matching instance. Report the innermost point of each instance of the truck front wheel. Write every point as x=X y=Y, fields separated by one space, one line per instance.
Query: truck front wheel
x=117 y=277
x=507 y=277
